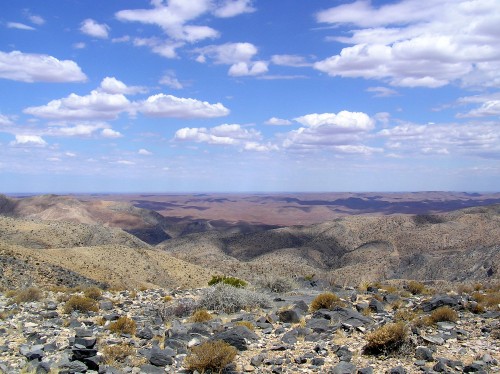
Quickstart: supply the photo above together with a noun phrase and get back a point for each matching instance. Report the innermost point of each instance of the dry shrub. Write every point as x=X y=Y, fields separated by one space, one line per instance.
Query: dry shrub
x=416 y=288
x=123 y=325
x=405 y=315
x=214 y=355
x=201 y=315
x=249 y=325
x=444 y=313
x=326 y=300
x=115 y=355
x=28 y=295
x=167 y=298
x=386 y=339
x=93 y=293
x=229 y=299
x=487 y=301
x=390 y=288
x=81 y=304
x=277 y=284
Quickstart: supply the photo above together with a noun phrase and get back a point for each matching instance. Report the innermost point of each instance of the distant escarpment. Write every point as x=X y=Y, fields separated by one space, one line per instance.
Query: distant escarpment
x=456 y=246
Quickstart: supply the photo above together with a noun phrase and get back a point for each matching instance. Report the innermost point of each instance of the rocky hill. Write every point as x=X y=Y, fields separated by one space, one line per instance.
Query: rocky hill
x=454 y=246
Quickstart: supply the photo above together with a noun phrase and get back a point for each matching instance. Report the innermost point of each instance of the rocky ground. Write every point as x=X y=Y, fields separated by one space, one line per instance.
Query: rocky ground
x=272 y=332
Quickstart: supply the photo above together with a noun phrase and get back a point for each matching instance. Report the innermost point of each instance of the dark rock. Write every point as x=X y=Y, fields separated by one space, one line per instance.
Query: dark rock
x=105 y=305
x=361 y=307
x=50 y=314
x=151 y=369
x=397 y=370
x=162 y=357
x=111 y=316
x=257 y=360
x=80 y=354
x=300 y=360
x=290 y=337
x=233 y=338
x=179 y=346
x=343 y=368
x=376 y=306
x=279 y=347
x=476 y=366
x=372 y=289
x=289 y=316
x=318 y=361
x=75 y=367
x=423 y=353
x=438 y=301
x=344 y=354
x=92 y=362
x=319 y=325
x=302 y=306
x=391 y=297
x=83 y=333
x=51 y=305
x=145 y=333
x=86 y=342
x=52 y=347
x=366 y=370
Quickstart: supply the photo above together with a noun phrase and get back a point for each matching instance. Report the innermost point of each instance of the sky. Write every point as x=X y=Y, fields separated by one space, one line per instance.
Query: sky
x=249 y=96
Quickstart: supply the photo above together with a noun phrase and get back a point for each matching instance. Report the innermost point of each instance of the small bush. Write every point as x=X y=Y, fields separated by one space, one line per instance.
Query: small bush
x=405 y=315
x=231 y=281
x=278 y=284
x=214 y=355
x=488 y=301
x=93 y=293
x=123 y=325
x=325 y=300
x=167 y=298
x=115 y=355
x=386 y=339
x=444 y=313
x=416 y=288
x=201 y=315
x=81 y=304
x=249 y=325
x=28 y=295
x=228 y=299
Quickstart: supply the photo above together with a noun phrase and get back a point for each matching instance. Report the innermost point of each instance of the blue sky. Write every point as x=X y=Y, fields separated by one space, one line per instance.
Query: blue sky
x=242 y=95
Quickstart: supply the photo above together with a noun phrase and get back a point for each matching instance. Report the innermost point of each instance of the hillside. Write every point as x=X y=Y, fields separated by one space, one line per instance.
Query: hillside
x=454 y=246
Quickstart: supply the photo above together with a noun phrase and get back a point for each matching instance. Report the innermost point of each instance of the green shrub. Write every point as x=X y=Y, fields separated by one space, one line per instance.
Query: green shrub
x=81 y=304
x=231 y=281
x=28 y=295
x=214 y=355
x=386 y=339
x=123 y=325
x=201 y=315
x=326 y=300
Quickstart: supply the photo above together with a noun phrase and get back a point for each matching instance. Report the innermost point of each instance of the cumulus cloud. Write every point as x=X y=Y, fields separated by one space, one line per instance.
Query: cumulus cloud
x=110 y=133
x=238 y=55
x=289 y=60
x=274 y=121
x=111 y=85
x=231 y=8
x=226 y=134
x=31 y=67
x=19 y=26
x=481 y=140
x=411 y=44
x=28 y=141
x=162 y=105
x=96 y=105
x=37 y=20
x=92 y=28
x=330 y=130
x=382 y=91
x=79 y=130
x=5 y=121
x=160 y=47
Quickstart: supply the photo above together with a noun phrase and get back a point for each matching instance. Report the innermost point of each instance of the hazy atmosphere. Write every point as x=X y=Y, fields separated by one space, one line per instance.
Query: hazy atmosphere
x=241 y=95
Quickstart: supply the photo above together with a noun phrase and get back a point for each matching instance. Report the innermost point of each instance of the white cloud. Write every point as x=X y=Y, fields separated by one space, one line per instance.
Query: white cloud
x=158 y=46
x=144 y=152
x=70 y=154
x=170 y=80
x=79 y=130
x=110 y=133
x=273 y=121
x=162 y=105
x=30 y=67
x=231 y=8
x=125 y=162
x=241 y=69
x=37 y=20
x=111 y=85
x=329 y=131
x=28 y=141
x=426 y=43
x=289 y=60
x=481 y=140
x=382 y=91
x=488 y=108
x=96 y=105
x=257 y=147
x=5 y=121
x=173 y=19
x=19 y=26
x=121 y=39
x=226 y=134
x=356 y=149
x=79 y=45
x=92 y=28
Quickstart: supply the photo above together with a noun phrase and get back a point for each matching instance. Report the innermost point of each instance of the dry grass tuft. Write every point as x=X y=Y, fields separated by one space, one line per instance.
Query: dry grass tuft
x=93 y=293
x=115 y=355
x=444 y=313
x=28 y=295
x=386 y=339
x=123 y=325
x=326 y=300
x=249 y=325
x=81 y=304
x=416 y=288
x=201 y=315
x=214 y=355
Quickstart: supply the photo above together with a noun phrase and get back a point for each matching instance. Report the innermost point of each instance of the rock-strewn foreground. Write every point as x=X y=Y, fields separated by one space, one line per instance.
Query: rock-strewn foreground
x=281 y=336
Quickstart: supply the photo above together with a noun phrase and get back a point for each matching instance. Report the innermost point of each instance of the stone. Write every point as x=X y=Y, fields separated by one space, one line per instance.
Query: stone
x=80 y=354
x=424 y=353
x=151 y=369
x=343 y=368
x=397 y=370
x=162 y=357
x=344 y=354
x=105 y=305
x=145 y=333
x=290 y=337
x=83 y=333
x=318 y=361
x=257 y=360
x=319 y=325
x=86 y=342
x=434 y=339
x=366 y=370
x=376 y=306
x=289 y=316
x=438 y=301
